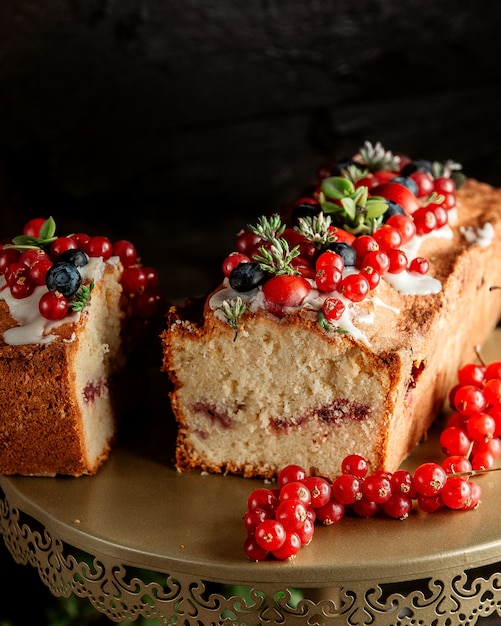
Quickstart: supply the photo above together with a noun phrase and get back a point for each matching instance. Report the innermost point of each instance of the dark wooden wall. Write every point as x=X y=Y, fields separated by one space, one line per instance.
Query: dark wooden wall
x=188 y=118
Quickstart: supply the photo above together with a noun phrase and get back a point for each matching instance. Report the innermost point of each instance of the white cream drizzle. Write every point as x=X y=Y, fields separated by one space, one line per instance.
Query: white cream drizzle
x=406 y=283
x=482 y=236
x=33 y=328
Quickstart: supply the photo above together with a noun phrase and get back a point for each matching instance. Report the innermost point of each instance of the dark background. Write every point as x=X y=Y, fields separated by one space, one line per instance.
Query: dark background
x=174 y=123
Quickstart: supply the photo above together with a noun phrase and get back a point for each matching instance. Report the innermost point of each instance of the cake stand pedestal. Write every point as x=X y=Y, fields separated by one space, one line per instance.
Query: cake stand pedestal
x=140 y=539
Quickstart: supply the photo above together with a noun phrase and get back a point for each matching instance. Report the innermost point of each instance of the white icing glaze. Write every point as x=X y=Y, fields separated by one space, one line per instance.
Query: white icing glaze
x=32 y=327
x=407 y=283
x=482 y=236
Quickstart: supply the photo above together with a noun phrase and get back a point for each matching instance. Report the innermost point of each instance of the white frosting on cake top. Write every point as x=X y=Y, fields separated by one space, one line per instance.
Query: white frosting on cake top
x=32 y=327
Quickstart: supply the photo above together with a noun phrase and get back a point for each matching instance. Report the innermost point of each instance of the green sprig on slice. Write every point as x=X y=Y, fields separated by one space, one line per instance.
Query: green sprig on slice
x=81 y=299
x=351 y=206
x=27 y=242
x=269 y=228
x=376 y=158
x=323 y=323
x=233 y=311
x=316 y=229
x=277 y=259
x=450 y=169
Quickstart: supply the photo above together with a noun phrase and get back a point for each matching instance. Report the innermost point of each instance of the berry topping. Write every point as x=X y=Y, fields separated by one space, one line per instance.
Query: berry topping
x=63 y=277
x=74 y=257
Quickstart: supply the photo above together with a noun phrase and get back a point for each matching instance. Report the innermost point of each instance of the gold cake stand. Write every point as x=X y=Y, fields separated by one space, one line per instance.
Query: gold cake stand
x=140 y=539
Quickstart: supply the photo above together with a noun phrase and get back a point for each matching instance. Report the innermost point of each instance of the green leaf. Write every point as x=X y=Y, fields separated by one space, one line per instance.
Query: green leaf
x=329 y=207
x=376 y=207
x=337 y=187
x=48 y=229
x=350 y=207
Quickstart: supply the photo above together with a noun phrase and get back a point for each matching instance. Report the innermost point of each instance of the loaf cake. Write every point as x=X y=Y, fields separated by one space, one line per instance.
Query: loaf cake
x=67 y=309
x=300 y=357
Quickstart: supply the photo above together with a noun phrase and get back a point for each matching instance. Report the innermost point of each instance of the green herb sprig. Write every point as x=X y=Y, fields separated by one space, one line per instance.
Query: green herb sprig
x=27 y=242
x=233 y=311
x=82 y=298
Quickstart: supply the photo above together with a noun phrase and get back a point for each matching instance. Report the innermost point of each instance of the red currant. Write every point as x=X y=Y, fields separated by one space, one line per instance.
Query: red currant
x=270 y=535
x=32 y=228
x=99 y=246
x=291 y=473
x=53 y=306
x=354 y=464
x=419 y=265
x=320 y=490
x=333 y=309
x=328 y=277
x=456 y=493
x=125 y=251
x=354 y=287
x=429 y=479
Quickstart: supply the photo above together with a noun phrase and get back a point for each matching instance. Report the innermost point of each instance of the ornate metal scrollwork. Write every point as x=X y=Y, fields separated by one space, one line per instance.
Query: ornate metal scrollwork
x=124 y=593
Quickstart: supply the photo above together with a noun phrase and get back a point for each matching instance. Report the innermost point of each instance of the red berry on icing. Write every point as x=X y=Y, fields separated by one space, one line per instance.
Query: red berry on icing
x=419 y=265
x=333 y=309
x=232 y=260
x=32 y=228
x=398 y=261
x=61 y=245
x=377 y=259
x=53 y=306
x=134 y=279
x=354 y=287
x=38 y=271
x=99 y=246
x=329 y=258
x=328 y=277
x=7 y=257
x=285 y=291
x=405 y=226
x=125 y=251
x=388 y=238
x=424 y=220
x=397 y=193
x=81 y=239
x=424 y=182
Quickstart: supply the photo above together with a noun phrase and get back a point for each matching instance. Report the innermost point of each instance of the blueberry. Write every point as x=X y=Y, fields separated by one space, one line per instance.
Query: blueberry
x=247 y=276
x=78 y=258
x=340 y=167
x=63 y=277
x=420 y=165
x=345 y=251
x=393 y=209
x=406 y=181
x=305 y=209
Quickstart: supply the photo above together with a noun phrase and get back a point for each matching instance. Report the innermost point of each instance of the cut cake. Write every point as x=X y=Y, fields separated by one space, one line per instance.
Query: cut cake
x=268 y=376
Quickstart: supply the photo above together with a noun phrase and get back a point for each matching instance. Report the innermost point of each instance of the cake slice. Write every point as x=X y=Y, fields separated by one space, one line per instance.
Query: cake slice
x=65 y=320
x=316 y=345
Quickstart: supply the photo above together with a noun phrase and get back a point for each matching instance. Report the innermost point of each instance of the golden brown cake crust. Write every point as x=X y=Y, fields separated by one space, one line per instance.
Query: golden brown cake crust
x=409 y=367
x=42 y=427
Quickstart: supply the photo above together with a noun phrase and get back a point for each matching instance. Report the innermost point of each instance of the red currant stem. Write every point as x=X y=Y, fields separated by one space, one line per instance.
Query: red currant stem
x=479 y=356
x=474 y=472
